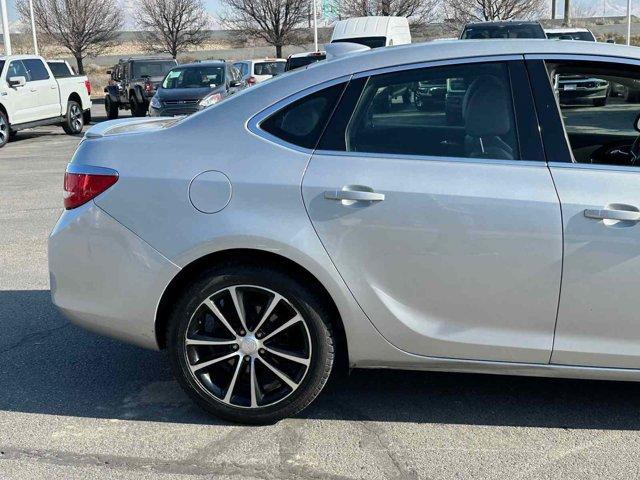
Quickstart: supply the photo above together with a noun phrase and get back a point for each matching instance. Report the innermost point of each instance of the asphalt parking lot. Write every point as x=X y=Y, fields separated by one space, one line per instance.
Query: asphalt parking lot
x=76 y=405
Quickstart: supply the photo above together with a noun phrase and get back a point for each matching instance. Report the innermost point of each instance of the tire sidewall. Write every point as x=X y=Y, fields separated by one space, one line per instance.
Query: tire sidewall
x=309 y=307
x=69 y=125
x=7 y=137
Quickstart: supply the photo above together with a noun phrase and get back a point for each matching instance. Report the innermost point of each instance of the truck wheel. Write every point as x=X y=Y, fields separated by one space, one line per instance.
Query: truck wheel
x=73 y=122
x=138 y=109
x=5 y=131
x=111 y=108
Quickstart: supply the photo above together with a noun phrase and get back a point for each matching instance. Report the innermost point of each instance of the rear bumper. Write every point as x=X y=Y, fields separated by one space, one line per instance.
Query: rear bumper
x=104 y=277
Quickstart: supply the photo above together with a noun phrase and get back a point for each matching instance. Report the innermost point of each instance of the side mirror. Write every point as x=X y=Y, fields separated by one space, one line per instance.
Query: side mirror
x=17 y=81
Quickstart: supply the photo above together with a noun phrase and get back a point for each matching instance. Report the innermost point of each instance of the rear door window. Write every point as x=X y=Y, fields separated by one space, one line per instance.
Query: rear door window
x=462 y=111
x=36 y=69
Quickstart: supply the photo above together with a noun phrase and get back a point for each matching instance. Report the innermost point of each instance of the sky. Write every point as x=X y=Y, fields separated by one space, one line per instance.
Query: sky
x=610 y=7
x=212 y=6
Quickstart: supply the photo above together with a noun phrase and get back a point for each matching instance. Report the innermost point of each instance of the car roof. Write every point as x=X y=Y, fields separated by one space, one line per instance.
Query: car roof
x=307 y=54
x=566 y=30
x=452 y=49
x=217 y=63
x=417 y=53
x=514 y=23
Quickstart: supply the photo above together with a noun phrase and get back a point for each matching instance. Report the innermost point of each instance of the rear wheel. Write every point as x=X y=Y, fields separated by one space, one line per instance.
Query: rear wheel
x=250 y=344
x=74 y=120
x=111 y=107
x=5 y=130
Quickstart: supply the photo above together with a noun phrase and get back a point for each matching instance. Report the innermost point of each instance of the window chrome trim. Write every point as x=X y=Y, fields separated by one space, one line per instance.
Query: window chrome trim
x=439 y=63
x=595 y=166
x=253 y=124
x=430 y=158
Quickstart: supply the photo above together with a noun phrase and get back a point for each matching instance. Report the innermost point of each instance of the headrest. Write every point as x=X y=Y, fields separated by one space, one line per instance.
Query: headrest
x=486 y=107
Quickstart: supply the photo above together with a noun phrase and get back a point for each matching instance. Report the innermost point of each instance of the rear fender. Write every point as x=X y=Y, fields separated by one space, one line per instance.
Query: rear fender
x=112 y=92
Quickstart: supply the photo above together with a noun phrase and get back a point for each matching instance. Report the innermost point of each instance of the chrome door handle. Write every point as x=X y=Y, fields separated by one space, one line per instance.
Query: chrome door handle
x=607 y=214
x=359 y=195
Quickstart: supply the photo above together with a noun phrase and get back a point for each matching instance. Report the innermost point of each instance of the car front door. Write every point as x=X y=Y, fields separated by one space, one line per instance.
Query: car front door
x=24 y=98
x=447 y=232
x=597 y=180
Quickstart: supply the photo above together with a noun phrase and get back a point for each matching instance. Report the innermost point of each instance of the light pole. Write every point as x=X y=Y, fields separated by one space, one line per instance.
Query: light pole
x=5 y=28
x=628 y=22
x=315 y=26
x=33 y=28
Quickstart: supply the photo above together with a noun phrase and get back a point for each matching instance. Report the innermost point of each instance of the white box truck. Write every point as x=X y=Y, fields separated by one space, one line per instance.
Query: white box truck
x=373 y=32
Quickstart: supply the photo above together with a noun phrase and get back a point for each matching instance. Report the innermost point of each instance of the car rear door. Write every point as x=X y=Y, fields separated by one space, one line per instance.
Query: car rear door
x=598 y=316
x=42 y=81
x=448 y=235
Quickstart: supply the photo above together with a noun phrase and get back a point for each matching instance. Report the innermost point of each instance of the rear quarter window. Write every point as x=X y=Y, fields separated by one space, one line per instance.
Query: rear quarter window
x=301 y=123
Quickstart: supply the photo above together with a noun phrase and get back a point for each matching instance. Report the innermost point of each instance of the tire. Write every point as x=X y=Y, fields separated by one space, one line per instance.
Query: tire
x=630 y=96
x=138 y=109
x=5 y=129
x=599 y=102
x=73 y=121
x=247 y=360
x=111 y=107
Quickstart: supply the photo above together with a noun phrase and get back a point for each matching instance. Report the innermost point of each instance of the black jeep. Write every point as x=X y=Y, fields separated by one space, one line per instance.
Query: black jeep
x=133 y=82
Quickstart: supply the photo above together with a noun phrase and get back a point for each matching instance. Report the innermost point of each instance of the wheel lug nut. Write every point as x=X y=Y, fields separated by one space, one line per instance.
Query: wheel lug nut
x=235 y=347
x=259 y=335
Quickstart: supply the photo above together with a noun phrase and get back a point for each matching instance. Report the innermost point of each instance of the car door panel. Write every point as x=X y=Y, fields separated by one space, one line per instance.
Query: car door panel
x=598 y=323
x=24 y=99
x=448 y=254
x=460 y=260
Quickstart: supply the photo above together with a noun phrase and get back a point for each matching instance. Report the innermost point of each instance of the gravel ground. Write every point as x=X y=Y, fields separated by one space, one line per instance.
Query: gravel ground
x=75 y=405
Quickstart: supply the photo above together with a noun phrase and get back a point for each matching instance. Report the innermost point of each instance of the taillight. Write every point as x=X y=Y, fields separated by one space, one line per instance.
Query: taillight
x=87 y=85
x=79 y=188
x=251 y=81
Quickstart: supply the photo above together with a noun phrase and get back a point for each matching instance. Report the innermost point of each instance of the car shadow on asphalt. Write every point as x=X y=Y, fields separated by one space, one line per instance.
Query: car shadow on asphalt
x=48 y=366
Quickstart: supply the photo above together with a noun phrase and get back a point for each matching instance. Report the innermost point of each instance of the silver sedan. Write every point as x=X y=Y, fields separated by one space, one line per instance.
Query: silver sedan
x=321 y=221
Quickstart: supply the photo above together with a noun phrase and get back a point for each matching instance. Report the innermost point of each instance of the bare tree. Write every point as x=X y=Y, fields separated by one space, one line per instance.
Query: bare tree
x=277 y=22
x=418 y=12
x=84 y=27
x=172 y=26
x=460 y=12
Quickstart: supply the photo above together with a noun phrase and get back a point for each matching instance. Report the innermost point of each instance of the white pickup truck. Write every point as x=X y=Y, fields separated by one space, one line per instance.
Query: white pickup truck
x=31 y=95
